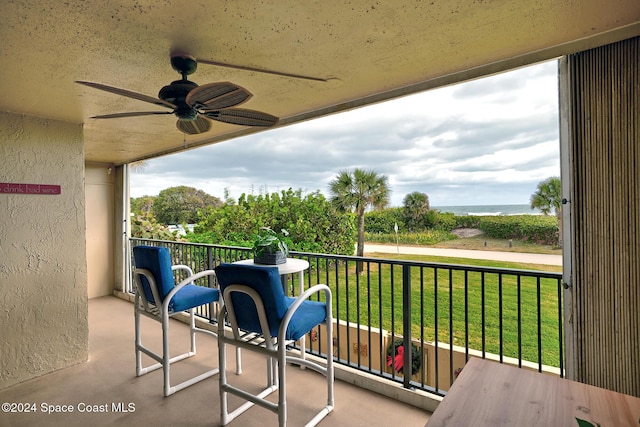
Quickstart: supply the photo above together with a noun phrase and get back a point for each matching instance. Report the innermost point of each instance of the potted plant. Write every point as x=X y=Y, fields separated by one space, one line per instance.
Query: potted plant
x=269 y=247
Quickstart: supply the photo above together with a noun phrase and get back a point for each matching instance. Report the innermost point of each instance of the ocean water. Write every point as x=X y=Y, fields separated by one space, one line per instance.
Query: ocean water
x=489 y=210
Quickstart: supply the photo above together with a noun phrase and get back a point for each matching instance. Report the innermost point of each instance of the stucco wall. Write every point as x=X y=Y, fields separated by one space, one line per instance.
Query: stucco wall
x=99 y=193
x=43 y=273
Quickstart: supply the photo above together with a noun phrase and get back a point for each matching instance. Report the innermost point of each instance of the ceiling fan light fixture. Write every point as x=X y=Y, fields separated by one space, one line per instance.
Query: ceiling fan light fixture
x=186 y=113
x=193 y=127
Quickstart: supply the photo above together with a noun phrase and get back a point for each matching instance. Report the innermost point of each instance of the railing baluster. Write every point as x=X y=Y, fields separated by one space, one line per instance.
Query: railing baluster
x=393 y=316
x=358 y=361
x=484 y=314
x=539 y=317
x=466 y=315
x=406 y=325
x=500 y=317
x=435 y=326
x=451 y=326
x=346 y=307
x=380 y=306
x=519 y=298
x=369 y=315
x=337 y=311
x=422 y=315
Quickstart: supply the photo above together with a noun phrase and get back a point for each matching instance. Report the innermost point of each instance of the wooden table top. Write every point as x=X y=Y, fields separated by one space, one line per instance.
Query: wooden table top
x=492 y=394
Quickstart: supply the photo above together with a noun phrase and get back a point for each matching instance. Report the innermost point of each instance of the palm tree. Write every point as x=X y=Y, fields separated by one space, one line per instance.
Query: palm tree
x=416 y=206
x=548 y=197
x=355 y=192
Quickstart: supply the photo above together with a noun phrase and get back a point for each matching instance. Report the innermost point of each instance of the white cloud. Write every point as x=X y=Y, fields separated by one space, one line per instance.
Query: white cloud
x=489 y=141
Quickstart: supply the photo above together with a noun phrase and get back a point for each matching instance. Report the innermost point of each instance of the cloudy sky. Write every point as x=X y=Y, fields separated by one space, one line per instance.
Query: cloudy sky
x=489 y=141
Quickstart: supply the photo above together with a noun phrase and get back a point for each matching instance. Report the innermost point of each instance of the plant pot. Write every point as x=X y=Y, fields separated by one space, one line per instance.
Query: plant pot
x=270 y=258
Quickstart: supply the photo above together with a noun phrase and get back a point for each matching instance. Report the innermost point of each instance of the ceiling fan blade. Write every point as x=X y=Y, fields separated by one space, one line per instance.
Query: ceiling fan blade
x=128 y=93
x=261 y=70
x=131 y=114
x=238 y=116
x=217 y=96
x=194 y=127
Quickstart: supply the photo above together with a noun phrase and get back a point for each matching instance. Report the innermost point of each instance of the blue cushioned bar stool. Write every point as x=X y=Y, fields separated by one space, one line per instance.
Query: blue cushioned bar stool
x=159 y=297
x=264 y=320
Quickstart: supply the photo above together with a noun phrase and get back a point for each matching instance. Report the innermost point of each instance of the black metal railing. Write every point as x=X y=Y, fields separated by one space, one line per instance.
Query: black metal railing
x=445 y=313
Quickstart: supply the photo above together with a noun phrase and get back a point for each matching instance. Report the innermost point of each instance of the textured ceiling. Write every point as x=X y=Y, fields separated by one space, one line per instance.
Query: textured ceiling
x=368 y=52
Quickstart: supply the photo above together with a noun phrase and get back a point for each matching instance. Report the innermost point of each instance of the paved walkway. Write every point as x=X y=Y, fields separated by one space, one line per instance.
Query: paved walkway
x=543 y=259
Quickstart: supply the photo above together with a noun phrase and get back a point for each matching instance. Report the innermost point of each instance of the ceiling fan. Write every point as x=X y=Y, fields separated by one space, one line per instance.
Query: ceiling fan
x=194 y=105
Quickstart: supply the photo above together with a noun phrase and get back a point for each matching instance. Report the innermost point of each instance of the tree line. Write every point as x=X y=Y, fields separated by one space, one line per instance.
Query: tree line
x=314 y=223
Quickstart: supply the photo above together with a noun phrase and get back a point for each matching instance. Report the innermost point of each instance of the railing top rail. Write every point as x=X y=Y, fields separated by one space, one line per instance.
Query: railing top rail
x=436 y=265
x=448 y=266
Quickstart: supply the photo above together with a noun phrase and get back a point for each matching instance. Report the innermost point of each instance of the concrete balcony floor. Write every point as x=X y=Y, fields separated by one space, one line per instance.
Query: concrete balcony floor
x=108 y=378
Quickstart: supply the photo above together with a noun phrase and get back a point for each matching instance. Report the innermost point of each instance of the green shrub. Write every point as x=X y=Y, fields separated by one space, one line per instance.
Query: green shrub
x=314 y=225
x=145 y=226
x=383 y=221
x=442 y=221
x=533 y=228
x=467 y=221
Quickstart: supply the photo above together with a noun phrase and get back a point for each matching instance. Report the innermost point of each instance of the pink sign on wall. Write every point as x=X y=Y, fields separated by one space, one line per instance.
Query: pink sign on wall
x=14 y=188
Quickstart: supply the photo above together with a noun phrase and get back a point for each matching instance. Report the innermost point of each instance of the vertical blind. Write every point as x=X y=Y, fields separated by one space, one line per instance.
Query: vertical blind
x=604 y=92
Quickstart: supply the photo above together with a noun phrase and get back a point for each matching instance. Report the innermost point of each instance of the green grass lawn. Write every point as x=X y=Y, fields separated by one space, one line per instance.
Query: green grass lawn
x=511 y=309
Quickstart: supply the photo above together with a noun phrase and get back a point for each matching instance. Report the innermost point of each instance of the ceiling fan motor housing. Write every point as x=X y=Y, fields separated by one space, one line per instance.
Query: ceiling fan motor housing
x=176 y=94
